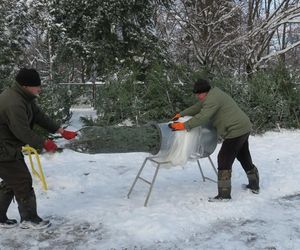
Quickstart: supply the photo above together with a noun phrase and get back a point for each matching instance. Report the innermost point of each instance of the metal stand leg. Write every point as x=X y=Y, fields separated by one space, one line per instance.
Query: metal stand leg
x=151 y=183
x=159 y=163
x=203 y=177
x=137 y=176
x=213 y=165
x=201 y=171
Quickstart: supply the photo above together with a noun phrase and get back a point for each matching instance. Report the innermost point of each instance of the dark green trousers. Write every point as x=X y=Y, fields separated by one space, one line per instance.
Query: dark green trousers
x=17 y=177
x=235 y=148
x=17 y=181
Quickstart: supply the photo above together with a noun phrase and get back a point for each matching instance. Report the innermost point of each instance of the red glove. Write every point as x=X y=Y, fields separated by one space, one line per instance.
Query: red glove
x=69 y=134
x=176 y=117
x=50 y=146
x=176 y=126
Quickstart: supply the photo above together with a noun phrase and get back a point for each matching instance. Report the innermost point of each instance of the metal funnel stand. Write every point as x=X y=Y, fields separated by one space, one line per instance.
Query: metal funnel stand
x=208 y=143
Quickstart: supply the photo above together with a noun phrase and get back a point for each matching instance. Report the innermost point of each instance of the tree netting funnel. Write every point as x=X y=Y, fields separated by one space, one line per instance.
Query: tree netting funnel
x=177 y=147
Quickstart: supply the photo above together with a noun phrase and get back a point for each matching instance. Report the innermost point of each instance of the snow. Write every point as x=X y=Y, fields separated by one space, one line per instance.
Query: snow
x=89 y=209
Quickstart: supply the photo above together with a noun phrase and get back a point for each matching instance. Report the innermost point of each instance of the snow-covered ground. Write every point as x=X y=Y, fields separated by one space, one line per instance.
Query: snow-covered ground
x=88 y=206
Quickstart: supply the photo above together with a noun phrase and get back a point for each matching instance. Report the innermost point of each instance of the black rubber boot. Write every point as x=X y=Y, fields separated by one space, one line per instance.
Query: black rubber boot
x=224 y=186
x=9 y=223
x=253 y=178
x=27 y=208
x=6 y=196
x=28 y=212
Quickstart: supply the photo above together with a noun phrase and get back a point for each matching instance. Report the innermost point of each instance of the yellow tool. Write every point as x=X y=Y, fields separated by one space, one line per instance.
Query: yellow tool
x=38 y=175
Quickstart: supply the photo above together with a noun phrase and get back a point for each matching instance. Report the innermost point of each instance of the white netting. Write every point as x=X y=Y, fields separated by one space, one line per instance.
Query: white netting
x=184 y=144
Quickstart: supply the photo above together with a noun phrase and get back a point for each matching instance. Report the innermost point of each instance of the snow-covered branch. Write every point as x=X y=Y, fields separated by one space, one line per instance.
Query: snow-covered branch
x=276 y=53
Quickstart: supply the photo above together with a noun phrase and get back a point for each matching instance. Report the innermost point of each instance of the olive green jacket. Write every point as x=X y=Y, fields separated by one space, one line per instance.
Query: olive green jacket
x=222 y=111
x=18 y=114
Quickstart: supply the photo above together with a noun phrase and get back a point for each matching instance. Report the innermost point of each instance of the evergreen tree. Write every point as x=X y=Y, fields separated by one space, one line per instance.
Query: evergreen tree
x=6 y=62
x=101 y=35
x=13 y=38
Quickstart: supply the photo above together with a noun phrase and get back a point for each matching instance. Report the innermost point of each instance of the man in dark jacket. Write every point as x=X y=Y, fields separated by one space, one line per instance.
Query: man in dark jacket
x=232 y=124
x=18 y=114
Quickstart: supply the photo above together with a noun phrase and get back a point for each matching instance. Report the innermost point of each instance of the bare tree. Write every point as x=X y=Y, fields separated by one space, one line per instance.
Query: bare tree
x=265 y=34
x=201 y=32
x=243 y=35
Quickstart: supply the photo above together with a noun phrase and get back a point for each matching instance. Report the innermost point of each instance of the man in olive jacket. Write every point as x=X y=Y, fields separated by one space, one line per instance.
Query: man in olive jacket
x=232 y=124
x=18 y=114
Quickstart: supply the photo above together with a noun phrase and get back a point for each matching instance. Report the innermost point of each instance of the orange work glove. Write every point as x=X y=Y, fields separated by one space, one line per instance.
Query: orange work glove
x=69 y=134
x=176 y=126
x=176 y=117
x=50 y=146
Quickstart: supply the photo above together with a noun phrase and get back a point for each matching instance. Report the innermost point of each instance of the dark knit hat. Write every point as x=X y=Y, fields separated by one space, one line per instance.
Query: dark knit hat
x=28 y=77
x=201 y=86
